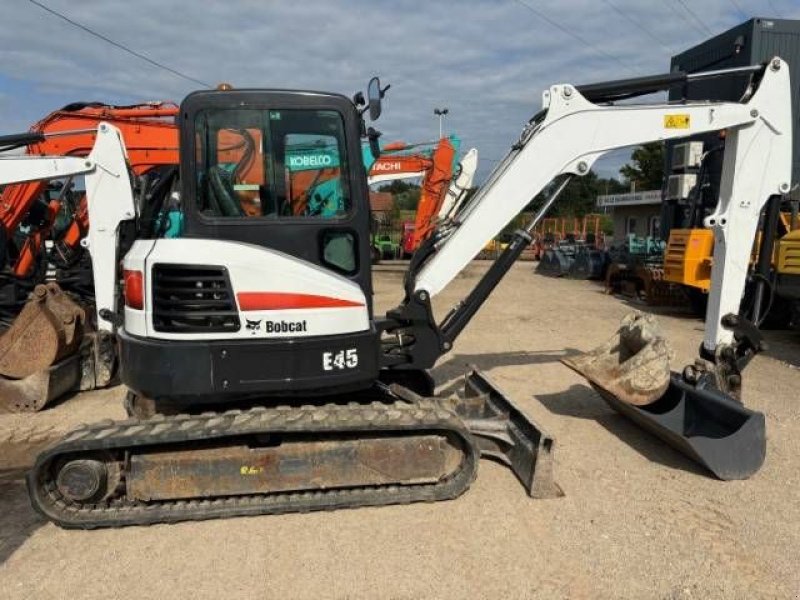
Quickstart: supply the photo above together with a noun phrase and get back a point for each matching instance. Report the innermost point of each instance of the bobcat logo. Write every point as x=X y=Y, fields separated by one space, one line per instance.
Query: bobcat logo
x=253 y=326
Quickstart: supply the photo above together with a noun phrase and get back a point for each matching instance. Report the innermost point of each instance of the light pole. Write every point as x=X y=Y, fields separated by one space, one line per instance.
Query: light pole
x=440 y=112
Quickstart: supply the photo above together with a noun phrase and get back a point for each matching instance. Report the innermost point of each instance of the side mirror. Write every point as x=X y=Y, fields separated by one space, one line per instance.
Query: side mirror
x=374 y=94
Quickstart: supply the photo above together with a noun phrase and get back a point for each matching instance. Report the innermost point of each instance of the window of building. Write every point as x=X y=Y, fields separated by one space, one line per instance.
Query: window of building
x=655 y=227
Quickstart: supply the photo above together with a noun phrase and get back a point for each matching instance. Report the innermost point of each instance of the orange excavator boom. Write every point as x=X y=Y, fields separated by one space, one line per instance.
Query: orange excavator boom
x=151 y=139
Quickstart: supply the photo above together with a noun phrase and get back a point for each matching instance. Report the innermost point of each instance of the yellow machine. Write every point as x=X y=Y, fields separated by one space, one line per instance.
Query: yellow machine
x=687 y=260
x=787 y=259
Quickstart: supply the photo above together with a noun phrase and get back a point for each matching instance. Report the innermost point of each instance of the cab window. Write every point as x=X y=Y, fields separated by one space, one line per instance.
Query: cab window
x=271 y=163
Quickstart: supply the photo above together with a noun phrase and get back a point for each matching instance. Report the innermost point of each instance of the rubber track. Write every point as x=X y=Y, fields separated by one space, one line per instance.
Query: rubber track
x=426 y=415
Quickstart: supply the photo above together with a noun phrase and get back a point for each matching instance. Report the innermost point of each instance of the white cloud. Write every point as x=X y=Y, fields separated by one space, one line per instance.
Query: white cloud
x=487 y=61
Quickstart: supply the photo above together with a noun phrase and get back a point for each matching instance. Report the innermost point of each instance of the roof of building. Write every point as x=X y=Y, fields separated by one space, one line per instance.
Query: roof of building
x=381 y=201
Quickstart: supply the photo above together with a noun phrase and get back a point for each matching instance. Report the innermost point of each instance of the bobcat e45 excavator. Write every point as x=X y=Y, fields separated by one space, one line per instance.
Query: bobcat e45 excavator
x=295 y=396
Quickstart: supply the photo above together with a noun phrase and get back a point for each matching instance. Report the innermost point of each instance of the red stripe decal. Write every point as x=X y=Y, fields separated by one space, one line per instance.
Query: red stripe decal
x=287 y=300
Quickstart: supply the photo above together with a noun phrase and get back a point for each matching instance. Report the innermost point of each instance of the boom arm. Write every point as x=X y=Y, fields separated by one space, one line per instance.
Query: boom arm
x=22 y=169
x=152 y=140
x=566 y=138
x=574 y=133
x=438 y=166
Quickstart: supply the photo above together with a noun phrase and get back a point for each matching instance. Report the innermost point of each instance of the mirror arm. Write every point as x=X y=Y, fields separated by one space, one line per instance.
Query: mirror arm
x=373 y=135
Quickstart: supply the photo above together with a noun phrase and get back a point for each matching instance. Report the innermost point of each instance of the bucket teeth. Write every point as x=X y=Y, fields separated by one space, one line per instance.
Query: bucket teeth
x=633 y=364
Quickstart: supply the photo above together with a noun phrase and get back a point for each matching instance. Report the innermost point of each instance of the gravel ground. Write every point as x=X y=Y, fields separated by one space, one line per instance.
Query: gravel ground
x=637 y=520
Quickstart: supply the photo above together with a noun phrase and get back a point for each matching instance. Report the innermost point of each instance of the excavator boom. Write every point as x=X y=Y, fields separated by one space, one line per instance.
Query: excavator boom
x=444 y=181
x=575 y=128
x=50 y=348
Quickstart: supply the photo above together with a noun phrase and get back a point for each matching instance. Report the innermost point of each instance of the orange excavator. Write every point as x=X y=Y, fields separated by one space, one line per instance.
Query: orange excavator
x=151 y=139
x=29 y=213
x=444 y=180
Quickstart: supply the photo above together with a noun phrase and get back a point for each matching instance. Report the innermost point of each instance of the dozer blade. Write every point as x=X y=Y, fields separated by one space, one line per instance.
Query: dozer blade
x=47 y=329
x=631 y=373
x=505 y=434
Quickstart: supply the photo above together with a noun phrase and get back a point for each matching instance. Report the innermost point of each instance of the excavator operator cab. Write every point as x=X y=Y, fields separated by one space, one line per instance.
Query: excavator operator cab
x=280 y=169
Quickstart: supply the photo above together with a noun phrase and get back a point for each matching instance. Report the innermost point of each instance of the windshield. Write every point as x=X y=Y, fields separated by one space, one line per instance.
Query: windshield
x=271 y=163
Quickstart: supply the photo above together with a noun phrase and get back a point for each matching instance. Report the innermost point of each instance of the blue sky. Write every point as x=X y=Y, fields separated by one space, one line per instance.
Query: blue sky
x=487 y=61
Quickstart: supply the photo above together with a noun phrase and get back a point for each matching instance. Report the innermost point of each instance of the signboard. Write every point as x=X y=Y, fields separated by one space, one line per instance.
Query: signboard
x=630 y=199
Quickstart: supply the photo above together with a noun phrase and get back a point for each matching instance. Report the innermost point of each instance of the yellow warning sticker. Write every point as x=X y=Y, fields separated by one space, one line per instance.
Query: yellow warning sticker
x=676 y=121
x=250 y=470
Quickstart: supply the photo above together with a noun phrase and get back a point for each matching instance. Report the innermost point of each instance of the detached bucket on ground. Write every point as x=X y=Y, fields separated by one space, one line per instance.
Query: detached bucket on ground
x=555 y=262
x=631 y=372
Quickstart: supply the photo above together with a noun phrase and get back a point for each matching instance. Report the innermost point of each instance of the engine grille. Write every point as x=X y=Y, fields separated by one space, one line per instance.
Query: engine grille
x=193 y=299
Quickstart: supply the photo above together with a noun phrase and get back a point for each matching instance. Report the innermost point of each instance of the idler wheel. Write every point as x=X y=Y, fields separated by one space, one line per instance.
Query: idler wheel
x=82 y=480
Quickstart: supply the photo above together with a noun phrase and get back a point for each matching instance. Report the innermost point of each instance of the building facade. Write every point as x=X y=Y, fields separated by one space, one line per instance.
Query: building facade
x=638 y=213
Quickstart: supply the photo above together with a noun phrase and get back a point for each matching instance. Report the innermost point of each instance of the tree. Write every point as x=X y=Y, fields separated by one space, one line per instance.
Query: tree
x=406 y=195
x=646 y=169
x=579 y=197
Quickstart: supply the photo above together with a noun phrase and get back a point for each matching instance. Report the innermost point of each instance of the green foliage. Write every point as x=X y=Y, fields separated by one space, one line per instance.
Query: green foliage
x=397 y=186
x=646 y=168
x=607 y=224
x=406 y=195
x=580 y=196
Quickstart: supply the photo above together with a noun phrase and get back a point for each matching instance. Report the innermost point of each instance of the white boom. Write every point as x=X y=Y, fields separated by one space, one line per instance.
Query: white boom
x=108 y=193
x=460 y=184
x=24 y=168
x=574 y=133
x=109 y=197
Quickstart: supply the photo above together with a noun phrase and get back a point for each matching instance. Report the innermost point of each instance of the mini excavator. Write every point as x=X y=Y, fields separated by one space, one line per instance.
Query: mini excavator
x=262 y=382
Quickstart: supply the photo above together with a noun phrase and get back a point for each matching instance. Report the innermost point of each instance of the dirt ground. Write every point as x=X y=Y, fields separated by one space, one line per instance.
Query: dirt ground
x=638 y=520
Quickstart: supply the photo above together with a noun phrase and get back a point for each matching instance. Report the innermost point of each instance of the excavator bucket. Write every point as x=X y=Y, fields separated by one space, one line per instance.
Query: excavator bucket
x=631 y=373
x=589 y=263
x=555 y=262
x=48 y=330
x=34 y=392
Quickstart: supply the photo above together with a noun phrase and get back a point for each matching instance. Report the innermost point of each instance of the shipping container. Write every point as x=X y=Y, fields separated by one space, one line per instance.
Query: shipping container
x=752 y=42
